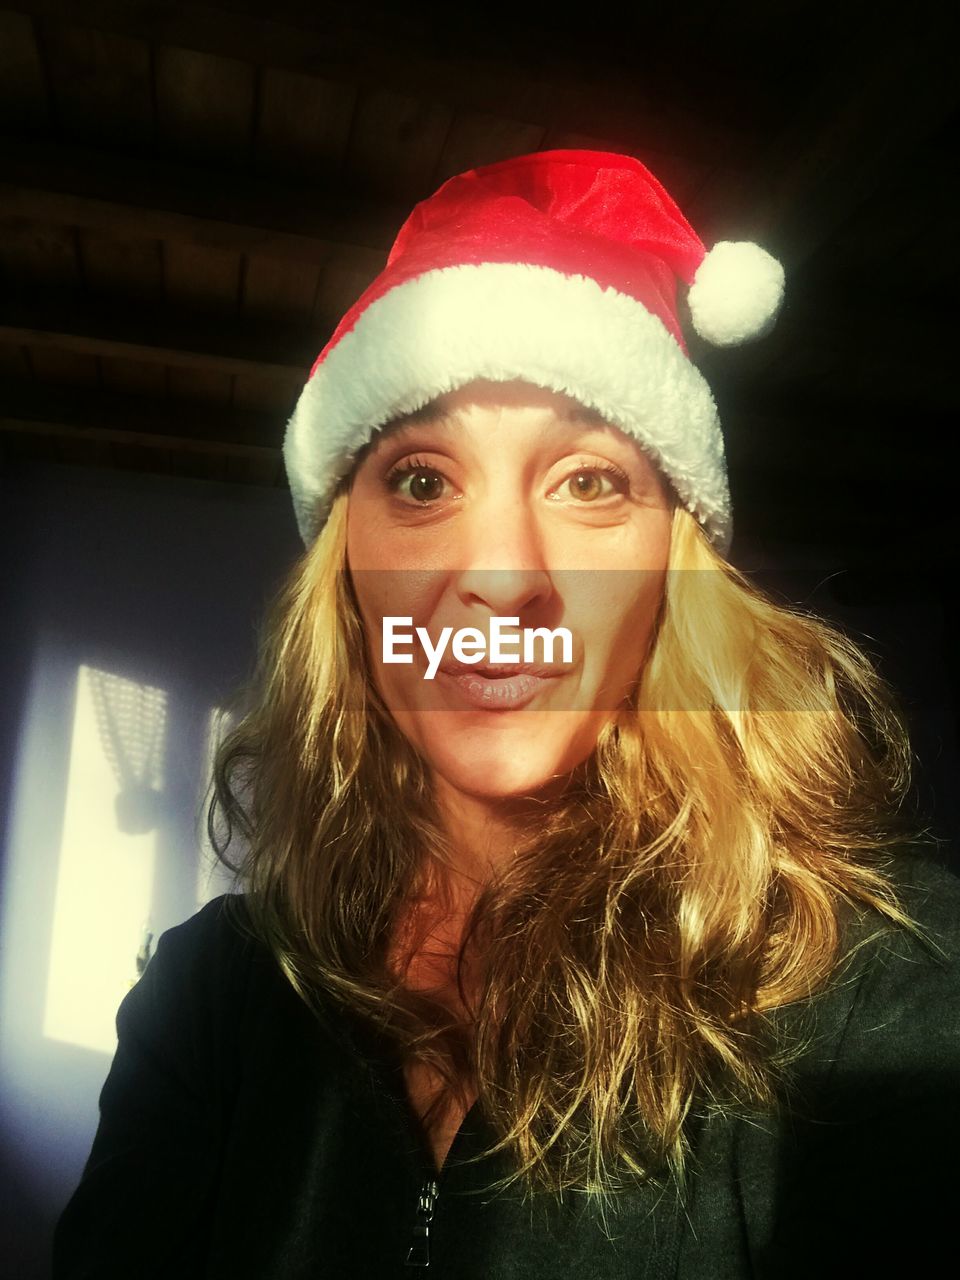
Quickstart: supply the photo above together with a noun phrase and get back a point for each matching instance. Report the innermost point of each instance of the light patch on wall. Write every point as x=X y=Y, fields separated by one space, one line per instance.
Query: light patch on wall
x=106 y=868
x=213 y=878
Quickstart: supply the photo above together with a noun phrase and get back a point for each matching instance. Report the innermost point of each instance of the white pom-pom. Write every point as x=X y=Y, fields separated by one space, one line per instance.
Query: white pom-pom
x=736 y=293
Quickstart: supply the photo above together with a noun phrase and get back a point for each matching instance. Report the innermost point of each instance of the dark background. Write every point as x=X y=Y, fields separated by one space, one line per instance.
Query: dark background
x=191 y=194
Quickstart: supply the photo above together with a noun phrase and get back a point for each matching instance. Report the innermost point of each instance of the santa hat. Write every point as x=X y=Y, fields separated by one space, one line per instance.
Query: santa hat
x=559 y=268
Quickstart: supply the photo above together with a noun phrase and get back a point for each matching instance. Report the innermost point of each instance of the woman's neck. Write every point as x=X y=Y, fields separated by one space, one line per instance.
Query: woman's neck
x=483 y=831
x=482 y=835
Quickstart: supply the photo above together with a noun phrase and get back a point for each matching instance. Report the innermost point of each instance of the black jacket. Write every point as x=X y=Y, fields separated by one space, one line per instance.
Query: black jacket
x=241 y=1136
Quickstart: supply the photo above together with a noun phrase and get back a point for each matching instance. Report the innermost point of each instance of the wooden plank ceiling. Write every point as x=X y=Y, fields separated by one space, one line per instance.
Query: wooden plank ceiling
x=191 y=194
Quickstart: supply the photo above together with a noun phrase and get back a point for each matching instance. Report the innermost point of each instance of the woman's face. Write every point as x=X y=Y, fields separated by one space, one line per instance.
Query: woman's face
x=510 y=502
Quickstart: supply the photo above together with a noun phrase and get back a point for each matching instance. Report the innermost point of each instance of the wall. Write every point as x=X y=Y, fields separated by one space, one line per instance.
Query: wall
x=129 y=612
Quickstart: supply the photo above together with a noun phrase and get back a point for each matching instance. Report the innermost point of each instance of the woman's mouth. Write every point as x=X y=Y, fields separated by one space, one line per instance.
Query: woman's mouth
x=492 y=690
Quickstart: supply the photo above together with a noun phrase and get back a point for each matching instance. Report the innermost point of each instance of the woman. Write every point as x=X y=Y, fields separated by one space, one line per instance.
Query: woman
x=614 y=961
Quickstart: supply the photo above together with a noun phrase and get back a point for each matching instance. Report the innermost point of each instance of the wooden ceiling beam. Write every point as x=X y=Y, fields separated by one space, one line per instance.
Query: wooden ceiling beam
x=866 y=114
x=158 y=336
x=411 y=60
x=850 y=155
x=162 y=441
x=146 y=197
x=100 y=415
x=847 y=350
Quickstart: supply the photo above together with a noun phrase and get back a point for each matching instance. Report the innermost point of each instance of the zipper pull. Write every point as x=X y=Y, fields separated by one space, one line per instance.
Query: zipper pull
x=418 y=1255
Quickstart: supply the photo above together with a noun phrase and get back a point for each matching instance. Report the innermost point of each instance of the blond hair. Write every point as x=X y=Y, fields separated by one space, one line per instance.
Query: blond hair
x=694 y=874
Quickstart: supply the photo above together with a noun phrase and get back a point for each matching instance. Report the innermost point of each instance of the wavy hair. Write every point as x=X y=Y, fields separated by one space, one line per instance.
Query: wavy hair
x=693 y=876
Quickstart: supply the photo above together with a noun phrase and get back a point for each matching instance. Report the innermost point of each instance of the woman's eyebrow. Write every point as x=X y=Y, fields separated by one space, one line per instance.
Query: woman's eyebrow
x=429 y=415
x=581 y=415
x=575 y=418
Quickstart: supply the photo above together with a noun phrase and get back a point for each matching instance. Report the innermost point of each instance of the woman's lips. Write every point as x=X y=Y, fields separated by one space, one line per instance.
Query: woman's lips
x=503 y=693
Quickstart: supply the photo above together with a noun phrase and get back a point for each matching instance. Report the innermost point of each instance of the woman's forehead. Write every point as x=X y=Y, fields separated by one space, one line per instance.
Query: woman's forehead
x=549 y=410
x=515 y=393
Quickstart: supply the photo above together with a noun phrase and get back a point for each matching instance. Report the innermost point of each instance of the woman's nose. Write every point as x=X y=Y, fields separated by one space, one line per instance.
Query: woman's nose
x=504 y=563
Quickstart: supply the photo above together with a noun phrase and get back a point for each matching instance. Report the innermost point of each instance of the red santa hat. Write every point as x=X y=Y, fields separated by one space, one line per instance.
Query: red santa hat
x=559 y=268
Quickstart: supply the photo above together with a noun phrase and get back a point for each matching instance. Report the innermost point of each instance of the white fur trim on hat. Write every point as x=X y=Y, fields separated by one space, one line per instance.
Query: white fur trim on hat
x=736 y=293
x=504 y=321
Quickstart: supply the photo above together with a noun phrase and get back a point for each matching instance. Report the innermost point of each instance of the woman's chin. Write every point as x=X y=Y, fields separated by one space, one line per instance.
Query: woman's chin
x=502 y=755
x=499 y=784
x=489 y=771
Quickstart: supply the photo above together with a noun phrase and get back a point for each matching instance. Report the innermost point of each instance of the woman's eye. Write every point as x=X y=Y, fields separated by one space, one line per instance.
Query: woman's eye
x=587 y=484
x=418 y=481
